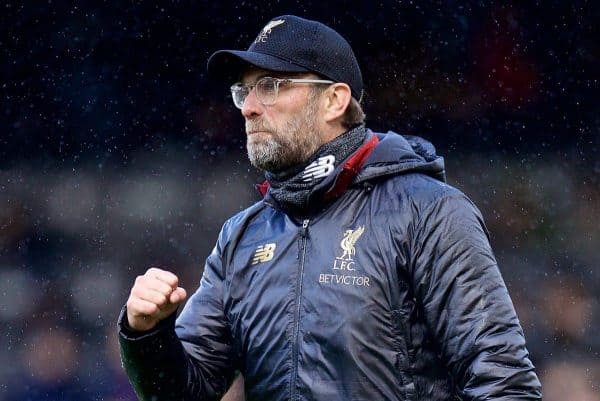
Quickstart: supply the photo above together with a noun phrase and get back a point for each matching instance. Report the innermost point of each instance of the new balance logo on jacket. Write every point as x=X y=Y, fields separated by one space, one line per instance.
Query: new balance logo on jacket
x=263 y=253
x=320 y=168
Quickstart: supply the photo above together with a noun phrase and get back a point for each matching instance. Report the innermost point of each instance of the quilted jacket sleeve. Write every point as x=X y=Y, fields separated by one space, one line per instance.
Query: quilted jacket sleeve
x=190 y=361
x=466 y=304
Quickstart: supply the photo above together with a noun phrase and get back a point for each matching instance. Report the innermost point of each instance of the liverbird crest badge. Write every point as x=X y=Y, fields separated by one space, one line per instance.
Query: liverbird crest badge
x=348 y=242
x=266 y=31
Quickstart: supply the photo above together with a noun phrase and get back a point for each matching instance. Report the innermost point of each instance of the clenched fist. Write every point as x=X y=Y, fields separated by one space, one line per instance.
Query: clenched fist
x=154 y=297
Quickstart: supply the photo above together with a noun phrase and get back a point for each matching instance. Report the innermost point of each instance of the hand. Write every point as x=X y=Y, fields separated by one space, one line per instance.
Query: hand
x=154 y=297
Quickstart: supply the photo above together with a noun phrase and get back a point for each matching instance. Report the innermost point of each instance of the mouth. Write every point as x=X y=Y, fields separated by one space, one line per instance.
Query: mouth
x=257 y=132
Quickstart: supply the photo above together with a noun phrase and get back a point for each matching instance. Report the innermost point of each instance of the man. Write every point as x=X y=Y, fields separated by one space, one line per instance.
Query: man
x=361 y=275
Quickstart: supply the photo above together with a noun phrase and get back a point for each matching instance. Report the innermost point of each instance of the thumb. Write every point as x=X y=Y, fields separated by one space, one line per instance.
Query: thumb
x=177 y=296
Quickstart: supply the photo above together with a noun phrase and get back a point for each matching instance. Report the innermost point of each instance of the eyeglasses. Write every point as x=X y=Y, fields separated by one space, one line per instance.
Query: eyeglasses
x=267 y=89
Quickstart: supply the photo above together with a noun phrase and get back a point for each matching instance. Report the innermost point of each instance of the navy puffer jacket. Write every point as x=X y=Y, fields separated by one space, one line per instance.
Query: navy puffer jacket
x=389 y=291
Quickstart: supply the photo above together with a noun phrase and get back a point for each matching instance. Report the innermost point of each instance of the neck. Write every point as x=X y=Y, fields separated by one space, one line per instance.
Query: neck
x=332 y=131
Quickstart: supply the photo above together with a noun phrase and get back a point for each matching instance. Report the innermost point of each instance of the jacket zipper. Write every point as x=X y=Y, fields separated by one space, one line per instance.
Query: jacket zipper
x=302 y=253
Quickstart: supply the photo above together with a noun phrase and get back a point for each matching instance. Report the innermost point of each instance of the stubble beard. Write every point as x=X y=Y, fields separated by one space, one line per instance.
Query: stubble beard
x=278 y=149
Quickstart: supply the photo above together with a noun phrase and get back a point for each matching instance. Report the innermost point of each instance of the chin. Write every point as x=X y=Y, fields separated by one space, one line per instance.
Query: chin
x=262 y=141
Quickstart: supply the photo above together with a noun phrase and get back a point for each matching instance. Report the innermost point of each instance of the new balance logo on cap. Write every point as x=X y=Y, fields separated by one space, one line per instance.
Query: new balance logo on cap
x=320 y=168
x=263 y=253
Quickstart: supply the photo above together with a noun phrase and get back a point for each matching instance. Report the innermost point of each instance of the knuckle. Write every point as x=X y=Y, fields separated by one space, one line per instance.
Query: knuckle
x=151 y=309
x=161 y=299
x=153 y=270
x=135 y=308
x=136 y=290
x=143 y=309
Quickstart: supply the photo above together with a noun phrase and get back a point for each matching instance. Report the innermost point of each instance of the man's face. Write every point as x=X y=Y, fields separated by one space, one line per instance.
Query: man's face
x=284 y=134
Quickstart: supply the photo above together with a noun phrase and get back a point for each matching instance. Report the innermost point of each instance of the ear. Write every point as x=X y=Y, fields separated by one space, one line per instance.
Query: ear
x=337 y=99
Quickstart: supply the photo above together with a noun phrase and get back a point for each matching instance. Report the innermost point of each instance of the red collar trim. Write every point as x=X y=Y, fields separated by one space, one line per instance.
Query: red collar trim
x=263 y=188
x=351 y=168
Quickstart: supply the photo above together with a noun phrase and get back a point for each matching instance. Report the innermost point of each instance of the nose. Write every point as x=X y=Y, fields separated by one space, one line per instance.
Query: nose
x=252 y=106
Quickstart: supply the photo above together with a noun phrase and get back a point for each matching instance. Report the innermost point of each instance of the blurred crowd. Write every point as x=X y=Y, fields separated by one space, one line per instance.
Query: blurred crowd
x=111 y=164
x=73 y=242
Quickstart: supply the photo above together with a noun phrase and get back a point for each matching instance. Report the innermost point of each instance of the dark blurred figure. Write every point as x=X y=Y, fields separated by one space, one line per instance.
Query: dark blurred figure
x=577 y=380
x=108 y=381
x=50 y=368
x=565 y=320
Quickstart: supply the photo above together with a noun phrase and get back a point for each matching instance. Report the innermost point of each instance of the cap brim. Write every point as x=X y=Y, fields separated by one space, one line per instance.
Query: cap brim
x=227 y=65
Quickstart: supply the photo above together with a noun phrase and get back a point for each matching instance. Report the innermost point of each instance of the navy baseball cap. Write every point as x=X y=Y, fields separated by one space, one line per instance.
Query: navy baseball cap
x=293 y=44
